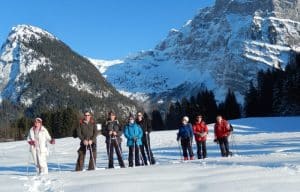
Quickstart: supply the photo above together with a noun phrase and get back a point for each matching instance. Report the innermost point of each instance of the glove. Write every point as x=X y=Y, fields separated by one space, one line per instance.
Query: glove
x=216 y=141
x=52 y=141
x=146 y=132
x=31 y=142
x=85 y=142
x=178 y=138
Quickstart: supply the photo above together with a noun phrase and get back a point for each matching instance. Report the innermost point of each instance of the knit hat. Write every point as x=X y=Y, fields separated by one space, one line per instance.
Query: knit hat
x=185 y=118
x=38 y=119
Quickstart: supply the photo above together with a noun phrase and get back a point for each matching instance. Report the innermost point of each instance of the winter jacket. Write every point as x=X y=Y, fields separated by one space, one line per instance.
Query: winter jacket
x=112 y=126
x=40 y=137
x=87 y=131
x=131 y=132
x=146 y=127
x=222 y=129
x=200 y=131
x=185 y=132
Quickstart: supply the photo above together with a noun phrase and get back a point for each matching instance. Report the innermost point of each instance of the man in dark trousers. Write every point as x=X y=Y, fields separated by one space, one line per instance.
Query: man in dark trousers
x=222 y=131
x=145 y=124
x=87 y=133
x=113 y=132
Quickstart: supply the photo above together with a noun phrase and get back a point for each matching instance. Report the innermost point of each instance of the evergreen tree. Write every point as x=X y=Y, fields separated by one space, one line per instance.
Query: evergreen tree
x=157 y=121
x=230 y=108
x=251 y=107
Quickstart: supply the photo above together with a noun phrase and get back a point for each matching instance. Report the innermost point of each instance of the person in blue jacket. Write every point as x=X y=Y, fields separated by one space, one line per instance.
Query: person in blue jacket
x=133 y=133
x=185 y=134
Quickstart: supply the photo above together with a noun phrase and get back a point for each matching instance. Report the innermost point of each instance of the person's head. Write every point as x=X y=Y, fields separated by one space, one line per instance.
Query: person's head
x=185 y=120
x=112 y=115
x=131 y=119
x=38 y=122
x=140 y=116
x=87 y=115
x=199 y=118
x=219 y=119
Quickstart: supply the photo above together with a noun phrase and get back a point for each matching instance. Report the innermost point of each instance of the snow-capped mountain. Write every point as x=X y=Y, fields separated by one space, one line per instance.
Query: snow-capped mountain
x=40 y=71
x=223 y=46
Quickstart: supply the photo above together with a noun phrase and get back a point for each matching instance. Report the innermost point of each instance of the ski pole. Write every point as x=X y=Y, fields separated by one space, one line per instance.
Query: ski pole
x=140 y=155
x=148 y=149
x=134 y=151
x=119 y=149
x=109 y=147
x=92 y=155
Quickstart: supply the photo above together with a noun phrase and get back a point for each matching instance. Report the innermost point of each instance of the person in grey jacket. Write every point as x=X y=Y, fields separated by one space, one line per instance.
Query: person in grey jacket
x=87 y=133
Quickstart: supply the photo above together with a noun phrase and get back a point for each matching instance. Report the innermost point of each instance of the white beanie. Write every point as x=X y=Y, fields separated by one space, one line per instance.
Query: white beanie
x=186 y=118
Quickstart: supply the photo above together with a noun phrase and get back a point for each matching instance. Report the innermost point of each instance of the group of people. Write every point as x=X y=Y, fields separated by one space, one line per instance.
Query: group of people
x=136 y=131
x=199 y=131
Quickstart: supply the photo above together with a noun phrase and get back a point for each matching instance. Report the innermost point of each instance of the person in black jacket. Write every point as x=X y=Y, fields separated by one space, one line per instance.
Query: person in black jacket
x=145 y=124
x=113 y=132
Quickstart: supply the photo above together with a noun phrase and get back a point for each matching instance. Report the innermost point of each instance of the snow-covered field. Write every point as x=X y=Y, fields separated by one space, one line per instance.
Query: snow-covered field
x=267 y=158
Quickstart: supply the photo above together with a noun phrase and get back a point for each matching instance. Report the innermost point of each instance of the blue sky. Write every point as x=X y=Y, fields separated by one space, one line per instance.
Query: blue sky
x=102 y=29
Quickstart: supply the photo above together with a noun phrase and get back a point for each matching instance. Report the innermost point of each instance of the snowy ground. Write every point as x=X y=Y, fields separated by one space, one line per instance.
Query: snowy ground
x=267 y=158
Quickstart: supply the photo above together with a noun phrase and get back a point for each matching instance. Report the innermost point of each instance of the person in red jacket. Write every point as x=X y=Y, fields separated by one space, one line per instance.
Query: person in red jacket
x=200 y=131
x=222 y=131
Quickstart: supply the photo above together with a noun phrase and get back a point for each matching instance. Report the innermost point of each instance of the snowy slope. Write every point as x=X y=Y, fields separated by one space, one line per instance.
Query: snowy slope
x=223 y=46
x=267 y=159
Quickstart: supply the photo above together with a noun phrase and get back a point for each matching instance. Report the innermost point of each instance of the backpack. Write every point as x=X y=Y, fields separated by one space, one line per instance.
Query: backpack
x=230 y=127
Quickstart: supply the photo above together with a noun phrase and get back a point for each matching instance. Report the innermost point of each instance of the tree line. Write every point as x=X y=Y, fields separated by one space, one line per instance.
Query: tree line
x=275 y=93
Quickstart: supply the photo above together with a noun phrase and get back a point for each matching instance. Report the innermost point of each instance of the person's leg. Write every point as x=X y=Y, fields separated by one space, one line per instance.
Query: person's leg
x=137 y=155
x=190 y=149
x=80 y=160
x=43 y=163
x=111 y=154
x=149 y=151
x=93 y=152
x=226 y=146
x=199 y=154
x=130 y=156
x=184 y=146
x=142 y=148
x=204 y=152
x=222 y=147
x=119 y=155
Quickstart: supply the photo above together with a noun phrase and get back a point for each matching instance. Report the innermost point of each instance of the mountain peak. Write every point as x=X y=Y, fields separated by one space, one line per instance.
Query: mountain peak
x=25 y=32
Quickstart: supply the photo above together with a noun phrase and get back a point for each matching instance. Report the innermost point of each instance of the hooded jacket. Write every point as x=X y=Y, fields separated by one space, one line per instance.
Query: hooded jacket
x=40 y=137
x=87 y=131
x=200 y=131
x=185 y=131
x=133 y=131
x=222 y=129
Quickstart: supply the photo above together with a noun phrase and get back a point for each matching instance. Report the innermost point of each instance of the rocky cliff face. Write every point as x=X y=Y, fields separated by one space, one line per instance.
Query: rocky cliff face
x=223 y=46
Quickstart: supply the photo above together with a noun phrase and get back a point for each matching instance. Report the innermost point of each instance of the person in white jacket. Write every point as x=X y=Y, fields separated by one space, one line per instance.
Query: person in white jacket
x=37 y=138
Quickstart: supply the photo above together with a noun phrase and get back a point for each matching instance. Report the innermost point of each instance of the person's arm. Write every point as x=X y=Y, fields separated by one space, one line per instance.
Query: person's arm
x=118 y=129
x=95 y=132
x=126 y=133
x=79 y=133
x=149 y=126
x=140 y=132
